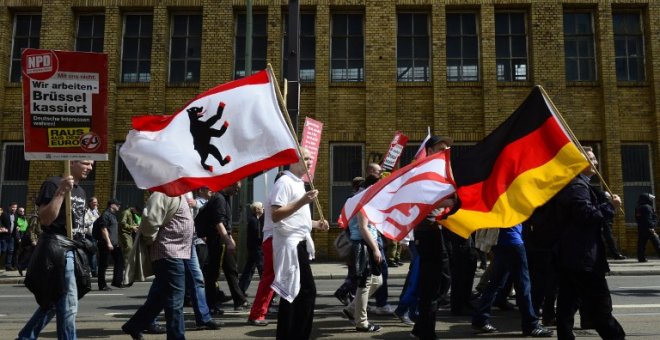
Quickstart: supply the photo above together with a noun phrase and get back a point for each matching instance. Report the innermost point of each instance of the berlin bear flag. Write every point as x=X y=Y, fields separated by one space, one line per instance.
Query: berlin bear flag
x=223 y=135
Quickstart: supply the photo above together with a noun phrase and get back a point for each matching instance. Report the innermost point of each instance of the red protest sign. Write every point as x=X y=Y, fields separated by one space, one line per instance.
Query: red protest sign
x=65 y=105
x=311 y=140
x=394 y=153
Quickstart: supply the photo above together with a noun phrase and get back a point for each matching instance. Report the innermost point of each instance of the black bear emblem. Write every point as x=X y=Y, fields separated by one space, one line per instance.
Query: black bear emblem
x=202 y=132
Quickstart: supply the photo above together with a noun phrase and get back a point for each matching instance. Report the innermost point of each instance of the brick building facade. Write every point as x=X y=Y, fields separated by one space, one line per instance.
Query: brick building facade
x=369 y=68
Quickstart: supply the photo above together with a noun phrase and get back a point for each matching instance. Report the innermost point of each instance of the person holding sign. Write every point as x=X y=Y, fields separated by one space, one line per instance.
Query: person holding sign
x=53 y=259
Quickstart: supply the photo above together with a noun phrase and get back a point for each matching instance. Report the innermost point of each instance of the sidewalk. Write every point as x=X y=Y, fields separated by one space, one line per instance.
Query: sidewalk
x=337 y=271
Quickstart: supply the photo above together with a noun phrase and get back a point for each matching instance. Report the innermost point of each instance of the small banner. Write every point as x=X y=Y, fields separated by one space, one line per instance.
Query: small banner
x=311 y=140
x=394 y=153
x=65 y=105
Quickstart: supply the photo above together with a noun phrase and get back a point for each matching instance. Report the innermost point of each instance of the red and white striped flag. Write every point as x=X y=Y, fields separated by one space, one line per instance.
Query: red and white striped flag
x=223 y=135
x=397 y=203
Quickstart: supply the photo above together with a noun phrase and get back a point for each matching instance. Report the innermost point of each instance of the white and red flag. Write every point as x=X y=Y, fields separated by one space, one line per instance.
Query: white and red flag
x=223 y=135
x=397 y=203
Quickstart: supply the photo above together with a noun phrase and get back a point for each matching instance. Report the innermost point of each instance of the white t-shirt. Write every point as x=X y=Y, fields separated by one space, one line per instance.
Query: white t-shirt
x=287 y=189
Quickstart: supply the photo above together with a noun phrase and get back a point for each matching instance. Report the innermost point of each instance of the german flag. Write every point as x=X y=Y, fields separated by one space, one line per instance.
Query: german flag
x=517 y=168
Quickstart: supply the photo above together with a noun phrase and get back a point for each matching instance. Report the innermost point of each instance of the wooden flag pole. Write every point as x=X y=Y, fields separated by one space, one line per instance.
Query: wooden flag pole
x=295 y=136
x=67 y=202
x=577 y=142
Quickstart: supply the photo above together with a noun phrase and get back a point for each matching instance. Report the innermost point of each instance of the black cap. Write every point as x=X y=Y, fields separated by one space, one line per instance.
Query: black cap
x=437 y=139
x=113 y=201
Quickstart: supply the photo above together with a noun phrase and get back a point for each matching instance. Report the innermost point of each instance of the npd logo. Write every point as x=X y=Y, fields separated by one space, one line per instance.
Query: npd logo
x=39 y=64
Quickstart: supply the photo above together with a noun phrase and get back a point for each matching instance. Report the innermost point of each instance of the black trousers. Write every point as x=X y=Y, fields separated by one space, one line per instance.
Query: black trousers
x=230 y=268
x=433 y=264
x=642 y=238
x=463 y=262
x=294 y=319
x=543 y=276
x=211 y=271
x=588 y=290
x=118 y=266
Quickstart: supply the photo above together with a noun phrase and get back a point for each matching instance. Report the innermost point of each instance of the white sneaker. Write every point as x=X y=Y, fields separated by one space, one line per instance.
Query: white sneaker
x=384 y=310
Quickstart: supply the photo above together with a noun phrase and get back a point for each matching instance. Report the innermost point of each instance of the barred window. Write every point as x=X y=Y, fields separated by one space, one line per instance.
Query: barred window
x=136 y=48
x=579 y=42
x=14 y=175
x=259 y=44
x=27 y=27
x=413 y=47
x=125 y=189
x=629 y=46
x=347 y=162
x=307 y=47
x=511 y=46
x=185 y=48
x=347 y=47
x=462 y=47
x=90 y=33
x=637 y=178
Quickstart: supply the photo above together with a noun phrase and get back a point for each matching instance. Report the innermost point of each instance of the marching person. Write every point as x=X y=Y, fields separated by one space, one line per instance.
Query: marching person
x=647 y=220
x=293 y=248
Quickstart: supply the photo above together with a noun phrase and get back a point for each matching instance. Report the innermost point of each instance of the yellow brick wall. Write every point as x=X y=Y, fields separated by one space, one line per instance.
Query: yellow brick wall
x=605 y=111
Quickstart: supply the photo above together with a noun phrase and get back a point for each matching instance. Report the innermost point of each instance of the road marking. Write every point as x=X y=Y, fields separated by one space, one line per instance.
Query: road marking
x=15 y=296
x=653 y=305
x=643 y=287
x=106 y=294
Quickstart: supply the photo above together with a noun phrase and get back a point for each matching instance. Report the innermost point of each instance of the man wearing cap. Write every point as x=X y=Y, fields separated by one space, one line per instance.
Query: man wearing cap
x=433 y=257
x=108 y=245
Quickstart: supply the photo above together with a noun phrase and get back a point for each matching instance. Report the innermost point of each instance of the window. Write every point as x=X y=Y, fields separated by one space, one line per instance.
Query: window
x=27 y=29
x=136 y=48
x=347 y=161
x=462 y=47
x=629 y=46
x=125 y=189
x=580 y=59
x=89 y=36
x=259 y=44
x=511 y=46
x=185 y=48
x=637 y=179
x=14 y=175
x=347 y=47
x=413 y=47
x=307 y=47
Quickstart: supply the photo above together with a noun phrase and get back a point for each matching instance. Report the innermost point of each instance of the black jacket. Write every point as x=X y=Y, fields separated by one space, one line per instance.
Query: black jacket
x=582 y=214
x=645 y=216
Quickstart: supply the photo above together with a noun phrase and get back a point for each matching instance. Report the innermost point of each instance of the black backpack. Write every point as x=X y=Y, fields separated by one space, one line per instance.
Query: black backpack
x=96 y=229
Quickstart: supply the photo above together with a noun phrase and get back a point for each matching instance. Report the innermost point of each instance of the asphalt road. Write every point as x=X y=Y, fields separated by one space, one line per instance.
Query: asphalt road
x=636 y=305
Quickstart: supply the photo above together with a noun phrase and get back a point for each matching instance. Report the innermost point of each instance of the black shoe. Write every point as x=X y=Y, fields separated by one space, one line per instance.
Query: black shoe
x=211 y=324
x=619 y=257
x=506 y=305
x=538 y=332
x=642 y=260
x=342 y=297
x=156 y=329
x=485 y=328
x=134 y=335
x=20 y=271
x=105 y=288
x=370 y=328
x=217 y=312
x=242 y=307
x=392 y=264
x=260 y=322
x=347 y=314
x=120 y=285
x=399 y=263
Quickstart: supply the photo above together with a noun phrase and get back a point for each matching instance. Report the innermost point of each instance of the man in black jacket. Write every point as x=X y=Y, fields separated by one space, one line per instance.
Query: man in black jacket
x=646 y=219
x=582 y=257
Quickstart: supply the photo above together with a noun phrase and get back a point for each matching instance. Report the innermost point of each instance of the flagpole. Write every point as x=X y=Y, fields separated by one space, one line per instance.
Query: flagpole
x=577 y=142
x=293 y=133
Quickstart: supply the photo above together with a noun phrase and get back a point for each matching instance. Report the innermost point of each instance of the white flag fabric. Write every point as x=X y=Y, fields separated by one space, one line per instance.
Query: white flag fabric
x=223 y=135
x=397 y=203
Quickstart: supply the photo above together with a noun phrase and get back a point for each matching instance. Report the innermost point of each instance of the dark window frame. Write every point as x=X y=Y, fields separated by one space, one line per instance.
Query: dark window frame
x=258 y=64
x=460 y=74
x=628 y=37
x=343 y=184
x=143 y=40
x=510 y=59
x=586 y=39
x=191 y=73
x=636 y=184
x=344 y=74
x=93 y=39
x=307 y=74
x=13 y=177
x=32 y=38
x=413 y=60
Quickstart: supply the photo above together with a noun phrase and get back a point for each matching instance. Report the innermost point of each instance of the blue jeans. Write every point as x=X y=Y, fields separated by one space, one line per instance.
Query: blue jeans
x=167 y=293
x=409 y=296
x=508 y=260
x=7 y=247
x=195 y=288
x=65 y=310
x=381 y=293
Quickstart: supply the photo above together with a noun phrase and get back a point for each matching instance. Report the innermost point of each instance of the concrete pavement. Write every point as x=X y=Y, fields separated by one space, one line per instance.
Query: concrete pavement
x=335 y=270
